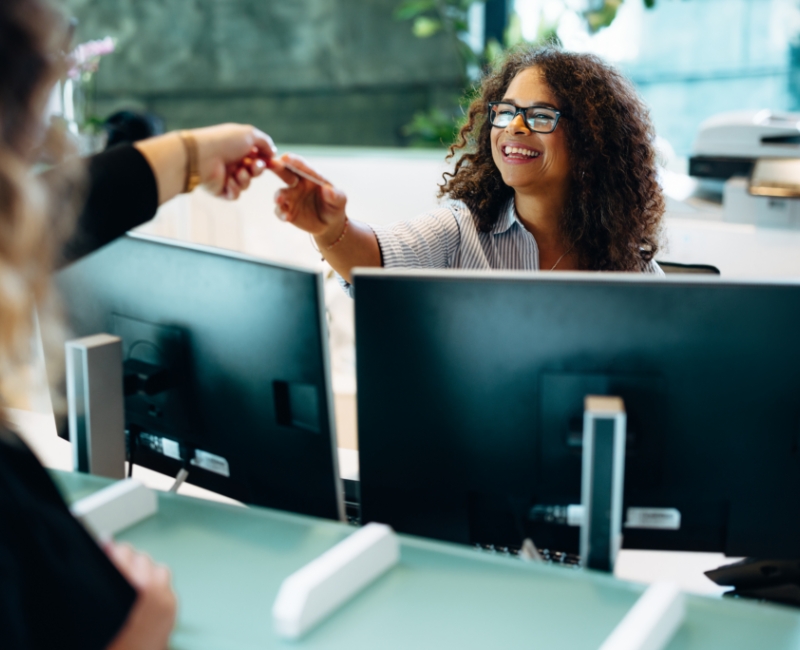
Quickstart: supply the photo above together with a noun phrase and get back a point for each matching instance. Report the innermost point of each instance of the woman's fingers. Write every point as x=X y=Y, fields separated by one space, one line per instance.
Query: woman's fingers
x=277 y=166
x=243 y=178
x=264 y=146
x=254 y=165
x=232 y=190
x=301 y=164
x=138 y=568
x=152 y=617
x=238 y=177
x=285 y=165
x=257 y=167
x=120 y=555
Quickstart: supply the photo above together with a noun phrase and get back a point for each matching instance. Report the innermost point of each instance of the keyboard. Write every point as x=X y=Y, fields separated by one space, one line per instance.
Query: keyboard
x=550 y=557
x=352 y=494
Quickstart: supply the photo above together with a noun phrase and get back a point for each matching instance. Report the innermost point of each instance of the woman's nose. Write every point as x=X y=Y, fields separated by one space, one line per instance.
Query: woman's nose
x=518 y=126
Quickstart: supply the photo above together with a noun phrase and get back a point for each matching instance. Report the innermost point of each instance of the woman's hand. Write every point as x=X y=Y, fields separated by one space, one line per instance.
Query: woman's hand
x=230 y=156
x=152 y=617
x=317 y=209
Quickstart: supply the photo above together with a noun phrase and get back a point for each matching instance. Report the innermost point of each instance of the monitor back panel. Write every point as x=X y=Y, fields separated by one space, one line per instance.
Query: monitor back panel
x=471 y=393
x=244 y=343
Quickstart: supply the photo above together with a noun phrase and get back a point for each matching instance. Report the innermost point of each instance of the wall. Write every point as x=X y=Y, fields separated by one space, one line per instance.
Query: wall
x=306 y=71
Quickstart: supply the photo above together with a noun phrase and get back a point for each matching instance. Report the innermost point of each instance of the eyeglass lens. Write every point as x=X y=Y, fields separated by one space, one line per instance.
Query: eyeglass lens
x=538 y=118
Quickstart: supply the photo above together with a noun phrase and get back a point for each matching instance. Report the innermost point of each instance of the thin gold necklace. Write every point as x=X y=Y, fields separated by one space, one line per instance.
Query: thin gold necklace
x=563 y=255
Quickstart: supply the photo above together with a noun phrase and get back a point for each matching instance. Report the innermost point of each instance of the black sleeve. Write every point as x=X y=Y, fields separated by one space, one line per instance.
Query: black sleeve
x=122 y=194
x=57 y=587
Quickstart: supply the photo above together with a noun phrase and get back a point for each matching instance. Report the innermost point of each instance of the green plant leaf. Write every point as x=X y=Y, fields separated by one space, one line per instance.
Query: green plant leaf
x=425 y=27
x=513 y=35
x=464 y=5
x=413 y=8
x=494 y=52
x=603 y=17
x=431 y=128
x=649 y=3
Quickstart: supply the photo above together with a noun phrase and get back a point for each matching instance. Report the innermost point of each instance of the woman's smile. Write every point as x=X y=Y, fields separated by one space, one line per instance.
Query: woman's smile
x=516 y=153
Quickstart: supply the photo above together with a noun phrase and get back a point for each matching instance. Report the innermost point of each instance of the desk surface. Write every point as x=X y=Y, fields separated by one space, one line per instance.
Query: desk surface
x=228 y=563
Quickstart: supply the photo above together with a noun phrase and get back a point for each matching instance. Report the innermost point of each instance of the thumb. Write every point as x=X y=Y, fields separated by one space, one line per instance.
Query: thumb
x=264 y=144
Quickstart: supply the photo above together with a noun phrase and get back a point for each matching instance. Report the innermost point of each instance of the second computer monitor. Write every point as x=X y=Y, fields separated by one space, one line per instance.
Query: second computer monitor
x=470 y=402
x=226 y=367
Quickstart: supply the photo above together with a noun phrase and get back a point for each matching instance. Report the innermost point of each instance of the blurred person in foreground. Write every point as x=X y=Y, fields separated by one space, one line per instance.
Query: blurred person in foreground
x=58 y=588
x=557 y=173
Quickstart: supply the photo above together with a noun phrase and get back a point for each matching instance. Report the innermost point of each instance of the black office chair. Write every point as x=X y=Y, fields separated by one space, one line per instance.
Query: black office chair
x=690 y=269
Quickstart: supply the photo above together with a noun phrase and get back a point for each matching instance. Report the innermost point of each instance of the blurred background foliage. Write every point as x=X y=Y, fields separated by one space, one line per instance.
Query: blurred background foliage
x=394 y=73
x=439 y=125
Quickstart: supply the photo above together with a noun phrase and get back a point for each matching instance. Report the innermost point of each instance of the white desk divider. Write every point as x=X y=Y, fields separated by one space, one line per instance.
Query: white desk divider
x=96 y=405
x=115 y=508
x=324 y=584
x=604 y=423
x=651 y=622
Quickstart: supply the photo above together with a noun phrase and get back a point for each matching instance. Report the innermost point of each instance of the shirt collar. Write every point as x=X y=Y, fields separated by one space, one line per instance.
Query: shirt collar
x=508 y=217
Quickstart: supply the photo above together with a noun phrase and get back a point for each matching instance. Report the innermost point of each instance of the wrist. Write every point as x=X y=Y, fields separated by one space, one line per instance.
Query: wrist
x=192 y=168
x=332 y=235
x=166 y=156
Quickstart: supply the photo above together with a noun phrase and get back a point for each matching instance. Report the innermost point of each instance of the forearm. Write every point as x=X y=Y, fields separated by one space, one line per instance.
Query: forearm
x=121 y=194
x=358 y=247
x=166 y=155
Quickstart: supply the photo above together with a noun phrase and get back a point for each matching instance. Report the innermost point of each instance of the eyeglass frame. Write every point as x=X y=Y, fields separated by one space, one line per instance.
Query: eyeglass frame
x=521 y=110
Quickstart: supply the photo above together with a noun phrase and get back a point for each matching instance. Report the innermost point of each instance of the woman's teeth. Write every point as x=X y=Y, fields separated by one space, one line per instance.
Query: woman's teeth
x=508 y=151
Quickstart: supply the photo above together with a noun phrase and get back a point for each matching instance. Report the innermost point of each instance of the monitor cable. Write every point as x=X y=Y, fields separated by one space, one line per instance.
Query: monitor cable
x=131 y=439
x=187 y=453
x=530 y=552
x=183 y=474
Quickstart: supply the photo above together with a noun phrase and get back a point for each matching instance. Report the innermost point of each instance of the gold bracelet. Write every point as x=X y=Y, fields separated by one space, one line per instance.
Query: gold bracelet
x=192 y=161
x=341 y=237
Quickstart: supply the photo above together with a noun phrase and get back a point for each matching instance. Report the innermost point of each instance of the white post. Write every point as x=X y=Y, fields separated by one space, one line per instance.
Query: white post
x=602 y=481
x=96 y=405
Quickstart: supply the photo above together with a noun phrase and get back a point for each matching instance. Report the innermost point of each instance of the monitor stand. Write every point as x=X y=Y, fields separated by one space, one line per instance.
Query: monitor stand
x=602 y=481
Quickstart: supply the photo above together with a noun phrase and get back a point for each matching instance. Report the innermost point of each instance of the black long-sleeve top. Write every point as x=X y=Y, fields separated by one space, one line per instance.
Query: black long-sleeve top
x=58 y=589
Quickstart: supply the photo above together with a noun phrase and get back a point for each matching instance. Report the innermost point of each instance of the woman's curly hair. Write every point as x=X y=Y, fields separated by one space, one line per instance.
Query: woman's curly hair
x=614 y=207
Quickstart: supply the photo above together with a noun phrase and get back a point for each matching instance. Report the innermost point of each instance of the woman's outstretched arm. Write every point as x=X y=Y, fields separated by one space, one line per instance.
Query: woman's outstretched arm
x=126 y=184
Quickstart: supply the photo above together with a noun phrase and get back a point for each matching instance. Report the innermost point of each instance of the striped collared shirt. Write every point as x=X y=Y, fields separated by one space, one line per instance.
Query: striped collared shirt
x=448 y=238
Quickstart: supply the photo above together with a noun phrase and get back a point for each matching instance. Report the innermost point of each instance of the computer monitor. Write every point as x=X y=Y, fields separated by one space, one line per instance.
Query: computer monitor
x=471 y=388
x=230 y=356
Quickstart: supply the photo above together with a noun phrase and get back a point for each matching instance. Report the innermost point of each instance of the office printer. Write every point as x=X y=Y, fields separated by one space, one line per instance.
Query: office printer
x=753 y=157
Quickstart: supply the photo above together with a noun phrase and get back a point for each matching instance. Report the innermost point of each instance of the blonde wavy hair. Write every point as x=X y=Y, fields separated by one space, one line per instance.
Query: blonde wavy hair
x=35 y=210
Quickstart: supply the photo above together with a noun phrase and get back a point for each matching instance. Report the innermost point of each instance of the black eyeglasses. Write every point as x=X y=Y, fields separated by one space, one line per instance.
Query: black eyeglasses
x=541 y=119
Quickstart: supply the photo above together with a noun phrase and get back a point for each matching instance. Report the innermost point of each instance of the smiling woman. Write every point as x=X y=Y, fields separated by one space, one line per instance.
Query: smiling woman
x=594 y=186
x=558 y=173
